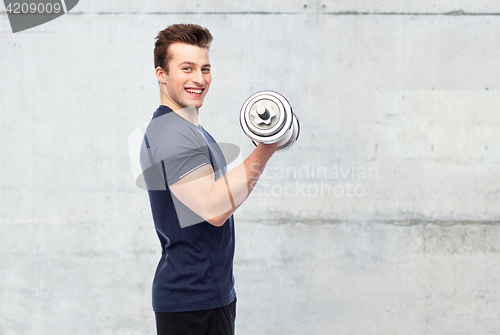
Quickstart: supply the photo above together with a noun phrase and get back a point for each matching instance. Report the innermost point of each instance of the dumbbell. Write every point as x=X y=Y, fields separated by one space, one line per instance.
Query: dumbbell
x=267 y=117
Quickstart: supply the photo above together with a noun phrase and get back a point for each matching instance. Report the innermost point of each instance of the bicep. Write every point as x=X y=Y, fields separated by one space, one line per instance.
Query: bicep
x=199 y=192
x=193 y=190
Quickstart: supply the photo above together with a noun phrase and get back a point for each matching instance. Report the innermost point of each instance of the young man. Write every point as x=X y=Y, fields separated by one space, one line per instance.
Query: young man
x=192 y=197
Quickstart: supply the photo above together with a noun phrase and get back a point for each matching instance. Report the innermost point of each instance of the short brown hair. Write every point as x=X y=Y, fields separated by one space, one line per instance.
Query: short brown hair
x=192 y=34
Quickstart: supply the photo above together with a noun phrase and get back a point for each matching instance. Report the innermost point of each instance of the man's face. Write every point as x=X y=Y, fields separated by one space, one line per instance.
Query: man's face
x=188 y=77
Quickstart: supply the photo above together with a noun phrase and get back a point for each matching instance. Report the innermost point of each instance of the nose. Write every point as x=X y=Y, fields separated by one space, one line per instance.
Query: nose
x=198 y=78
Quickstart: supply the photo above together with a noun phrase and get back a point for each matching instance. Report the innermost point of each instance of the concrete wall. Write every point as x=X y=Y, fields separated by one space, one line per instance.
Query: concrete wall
x=382 y=219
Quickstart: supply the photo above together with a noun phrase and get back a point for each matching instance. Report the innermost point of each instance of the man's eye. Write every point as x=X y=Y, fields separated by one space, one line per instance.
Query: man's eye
x=186 y=68
x=206 y=70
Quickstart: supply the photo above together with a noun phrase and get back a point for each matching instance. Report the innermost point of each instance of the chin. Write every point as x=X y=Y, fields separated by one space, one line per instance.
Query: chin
x=197 y=104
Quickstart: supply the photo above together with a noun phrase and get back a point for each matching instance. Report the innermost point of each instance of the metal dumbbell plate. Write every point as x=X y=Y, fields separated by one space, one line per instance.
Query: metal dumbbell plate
x=267 y=117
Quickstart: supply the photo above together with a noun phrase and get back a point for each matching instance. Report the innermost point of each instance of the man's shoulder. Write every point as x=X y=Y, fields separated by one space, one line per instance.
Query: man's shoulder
x=169 y=126
x=162 y=110
x=169 y=135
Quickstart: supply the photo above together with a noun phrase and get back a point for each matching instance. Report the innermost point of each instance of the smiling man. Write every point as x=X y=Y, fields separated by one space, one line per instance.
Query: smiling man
x=192 y=195
x=187 y=79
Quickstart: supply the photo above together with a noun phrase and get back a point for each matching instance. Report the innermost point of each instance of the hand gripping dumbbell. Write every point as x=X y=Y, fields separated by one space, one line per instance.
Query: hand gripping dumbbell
x=267 y=117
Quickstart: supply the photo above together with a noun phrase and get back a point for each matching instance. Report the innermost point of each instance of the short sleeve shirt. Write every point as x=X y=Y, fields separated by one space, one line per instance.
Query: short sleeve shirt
x=195 y=271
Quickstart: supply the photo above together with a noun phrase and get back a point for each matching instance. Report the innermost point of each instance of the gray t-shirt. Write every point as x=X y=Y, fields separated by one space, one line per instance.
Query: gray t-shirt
x=195 y=271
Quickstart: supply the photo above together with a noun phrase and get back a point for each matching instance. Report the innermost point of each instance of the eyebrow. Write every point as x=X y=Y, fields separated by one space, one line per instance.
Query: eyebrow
x=192 y=63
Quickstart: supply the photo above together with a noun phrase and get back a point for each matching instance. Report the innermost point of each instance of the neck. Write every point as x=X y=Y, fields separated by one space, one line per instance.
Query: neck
x=190 y=113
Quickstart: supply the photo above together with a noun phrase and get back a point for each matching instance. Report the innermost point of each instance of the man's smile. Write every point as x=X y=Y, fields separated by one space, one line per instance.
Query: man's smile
x=195 y=91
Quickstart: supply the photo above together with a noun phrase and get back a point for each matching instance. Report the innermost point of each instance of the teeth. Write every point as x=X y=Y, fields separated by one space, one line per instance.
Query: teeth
x=193 y=91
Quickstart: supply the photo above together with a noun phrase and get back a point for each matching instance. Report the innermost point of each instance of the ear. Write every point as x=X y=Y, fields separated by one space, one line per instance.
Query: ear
x=160 y=75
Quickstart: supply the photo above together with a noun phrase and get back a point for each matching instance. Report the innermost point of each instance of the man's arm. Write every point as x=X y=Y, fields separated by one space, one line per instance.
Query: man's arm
x=216 y=201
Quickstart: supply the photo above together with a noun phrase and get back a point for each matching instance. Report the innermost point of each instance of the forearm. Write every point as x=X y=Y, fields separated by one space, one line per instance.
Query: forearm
x=230 y=191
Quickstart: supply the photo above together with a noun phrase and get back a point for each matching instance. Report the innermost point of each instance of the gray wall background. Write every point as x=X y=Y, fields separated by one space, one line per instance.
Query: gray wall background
x=405 y=94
